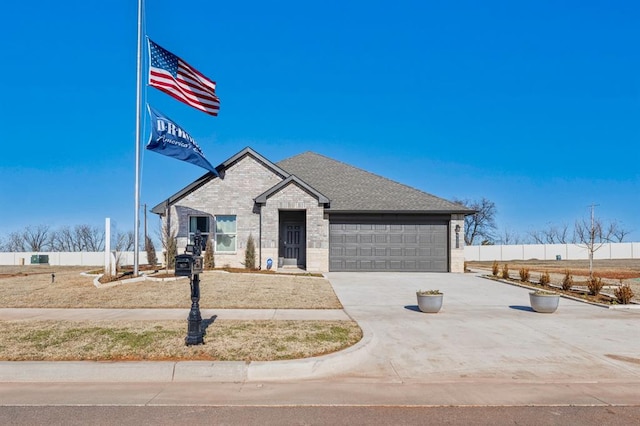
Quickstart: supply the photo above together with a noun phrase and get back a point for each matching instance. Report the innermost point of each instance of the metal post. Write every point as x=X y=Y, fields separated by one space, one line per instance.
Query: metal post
x=195 y=336
x=136 y=220
x=194 y=328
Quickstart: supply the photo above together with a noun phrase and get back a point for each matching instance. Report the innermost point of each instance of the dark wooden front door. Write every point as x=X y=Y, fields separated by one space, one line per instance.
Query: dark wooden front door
x=293 y=243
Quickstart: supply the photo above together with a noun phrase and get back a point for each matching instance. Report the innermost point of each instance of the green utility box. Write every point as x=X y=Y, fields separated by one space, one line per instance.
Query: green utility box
x=39 y=259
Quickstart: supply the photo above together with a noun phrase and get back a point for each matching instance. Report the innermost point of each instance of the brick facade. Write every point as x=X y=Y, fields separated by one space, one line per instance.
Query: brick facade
x=232 y=194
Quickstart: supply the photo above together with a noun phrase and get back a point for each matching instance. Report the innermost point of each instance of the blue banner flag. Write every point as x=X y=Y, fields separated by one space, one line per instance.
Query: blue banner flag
x=167 y=138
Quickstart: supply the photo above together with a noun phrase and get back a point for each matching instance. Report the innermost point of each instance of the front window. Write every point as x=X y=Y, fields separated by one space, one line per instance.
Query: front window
x=226 y=233
x=199 y=223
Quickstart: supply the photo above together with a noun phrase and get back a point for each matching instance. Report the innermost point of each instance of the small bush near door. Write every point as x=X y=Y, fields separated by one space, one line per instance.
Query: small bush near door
x=250 y=254
x=209 y=257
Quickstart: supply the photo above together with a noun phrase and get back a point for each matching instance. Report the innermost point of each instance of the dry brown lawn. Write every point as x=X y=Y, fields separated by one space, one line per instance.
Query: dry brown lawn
x=225 y=340
x=31 y=287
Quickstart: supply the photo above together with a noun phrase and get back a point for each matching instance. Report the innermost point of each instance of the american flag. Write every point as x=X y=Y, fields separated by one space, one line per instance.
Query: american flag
x=176 y=78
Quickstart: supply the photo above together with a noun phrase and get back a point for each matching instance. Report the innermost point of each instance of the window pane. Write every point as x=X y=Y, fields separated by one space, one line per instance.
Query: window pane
x=225 y=242
x=226 y=224
x=200 y=223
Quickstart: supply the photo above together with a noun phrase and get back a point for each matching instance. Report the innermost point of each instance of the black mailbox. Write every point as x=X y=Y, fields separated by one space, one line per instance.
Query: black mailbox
x=187 y=265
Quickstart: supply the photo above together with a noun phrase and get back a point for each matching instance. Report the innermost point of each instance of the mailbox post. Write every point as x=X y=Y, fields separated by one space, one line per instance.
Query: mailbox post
x=190 y=265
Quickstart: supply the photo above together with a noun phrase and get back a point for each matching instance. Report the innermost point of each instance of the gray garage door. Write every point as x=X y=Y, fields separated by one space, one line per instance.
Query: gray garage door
x=388 y=243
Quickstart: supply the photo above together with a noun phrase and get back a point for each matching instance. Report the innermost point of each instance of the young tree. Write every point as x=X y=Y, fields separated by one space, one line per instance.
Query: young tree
x=152 y=259
x=209 y=257
x=170 y=244
x=250 y=254
x=480 y=226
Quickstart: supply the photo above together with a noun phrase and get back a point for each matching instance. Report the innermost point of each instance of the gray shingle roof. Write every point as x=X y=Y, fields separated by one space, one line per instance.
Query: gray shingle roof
x=351 y=189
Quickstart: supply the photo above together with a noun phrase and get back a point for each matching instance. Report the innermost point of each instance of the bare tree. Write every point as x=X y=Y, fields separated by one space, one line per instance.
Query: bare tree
x=80 y=238
x=616 y=232
x=92 y=238
x=510 y=237
x=592 y=234
x=481 y=224
x=553 y=235
x=64 y=240
x=36 y=238
x=15 y=242
x=125 y=241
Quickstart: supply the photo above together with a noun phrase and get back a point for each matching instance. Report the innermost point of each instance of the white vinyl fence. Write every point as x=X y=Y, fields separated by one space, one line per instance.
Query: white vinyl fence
x=70 y=258
x=551 y=252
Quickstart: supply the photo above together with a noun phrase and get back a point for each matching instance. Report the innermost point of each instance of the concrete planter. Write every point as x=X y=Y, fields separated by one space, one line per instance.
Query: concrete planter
x=545 y=303
x=429 y=303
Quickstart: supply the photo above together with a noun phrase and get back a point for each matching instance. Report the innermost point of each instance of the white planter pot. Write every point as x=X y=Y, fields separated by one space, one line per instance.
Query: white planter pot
x=429 y=303
x=544 y=303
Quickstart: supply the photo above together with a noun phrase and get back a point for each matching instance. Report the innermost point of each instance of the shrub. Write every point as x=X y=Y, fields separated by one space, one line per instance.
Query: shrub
x=524 y=274
x=545 y=279
x=594 y=284
x=172 y=251
x=505 y=271
x=209 y=258
x=152 y=258
x=495 y=268
x=624 y=294
x=567 y=281
x=250 y=254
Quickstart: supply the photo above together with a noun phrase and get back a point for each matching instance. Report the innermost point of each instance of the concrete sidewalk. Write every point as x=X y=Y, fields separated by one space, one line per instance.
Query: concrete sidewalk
x=7 y=314
x=486 y=347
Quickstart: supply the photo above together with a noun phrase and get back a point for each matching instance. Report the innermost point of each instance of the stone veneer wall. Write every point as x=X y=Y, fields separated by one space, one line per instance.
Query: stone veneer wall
x=231 y=195
x=456 y=254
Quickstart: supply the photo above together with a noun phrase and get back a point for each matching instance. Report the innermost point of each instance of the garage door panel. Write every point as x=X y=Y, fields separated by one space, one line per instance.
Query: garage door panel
x=393 y=243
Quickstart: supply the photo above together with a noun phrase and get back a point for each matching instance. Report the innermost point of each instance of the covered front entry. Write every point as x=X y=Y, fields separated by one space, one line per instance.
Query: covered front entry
x=388 y=242
x=292 y=249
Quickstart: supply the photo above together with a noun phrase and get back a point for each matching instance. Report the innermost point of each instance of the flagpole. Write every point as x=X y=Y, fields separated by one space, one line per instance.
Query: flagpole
x=136 y=238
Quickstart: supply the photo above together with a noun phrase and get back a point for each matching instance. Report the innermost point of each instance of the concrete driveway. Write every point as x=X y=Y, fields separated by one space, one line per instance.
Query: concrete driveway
x=485 y=330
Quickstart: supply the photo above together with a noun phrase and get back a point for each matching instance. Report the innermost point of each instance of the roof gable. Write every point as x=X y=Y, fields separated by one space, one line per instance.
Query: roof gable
x=262 y=198
x=160 y=208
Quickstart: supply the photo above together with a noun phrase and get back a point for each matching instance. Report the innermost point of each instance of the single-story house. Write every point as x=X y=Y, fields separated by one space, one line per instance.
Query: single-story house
x=315 y=213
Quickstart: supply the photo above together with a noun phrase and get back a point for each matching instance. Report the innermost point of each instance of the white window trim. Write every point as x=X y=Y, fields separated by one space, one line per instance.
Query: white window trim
x=233 y=235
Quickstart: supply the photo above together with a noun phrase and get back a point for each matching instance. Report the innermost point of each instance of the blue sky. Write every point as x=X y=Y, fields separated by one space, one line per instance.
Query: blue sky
x=531 y=104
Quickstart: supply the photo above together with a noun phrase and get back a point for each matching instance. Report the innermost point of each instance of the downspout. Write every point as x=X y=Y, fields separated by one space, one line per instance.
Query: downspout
x=260 y=238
